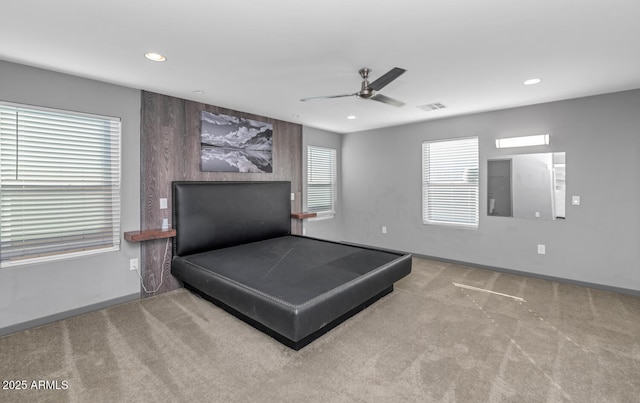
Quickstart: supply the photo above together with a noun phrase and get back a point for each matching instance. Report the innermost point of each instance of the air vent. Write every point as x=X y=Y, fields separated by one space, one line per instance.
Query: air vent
x=432 y=107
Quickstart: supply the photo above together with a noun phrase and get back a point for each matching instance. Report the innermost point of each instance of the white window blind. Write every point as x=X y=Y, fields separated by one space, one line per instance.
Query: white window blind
x=450 y=182
x=321 y=179
x=60 y=184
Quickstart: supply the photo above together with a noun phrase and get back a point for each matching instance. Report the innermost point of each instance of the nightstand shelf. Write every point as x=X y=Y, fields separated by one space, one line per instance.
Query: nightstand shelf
x=149 y=234
x=303 y=215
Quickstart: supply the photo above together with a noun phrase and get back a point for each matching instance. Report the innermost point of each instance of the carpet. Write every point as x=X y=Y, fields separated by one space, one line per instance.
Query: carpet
x=448 y=333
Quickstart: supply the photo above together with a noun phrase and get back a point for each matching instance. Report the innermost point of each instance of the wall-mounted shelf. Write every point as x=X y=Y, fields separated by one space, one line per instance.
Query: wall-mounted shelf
x=149 y=234
x=303 y=215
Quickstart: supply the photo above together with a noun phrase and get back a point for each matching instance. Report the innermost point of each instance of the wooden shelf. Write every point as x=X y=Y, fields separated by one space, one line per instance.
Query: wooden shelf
x=149 y=234
x=303 y=215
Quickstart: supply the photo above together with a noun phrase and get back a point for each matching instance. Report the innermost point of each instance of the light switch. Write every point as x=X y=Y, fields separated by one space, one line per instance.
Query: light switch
x=575 y=200
x=163 y=204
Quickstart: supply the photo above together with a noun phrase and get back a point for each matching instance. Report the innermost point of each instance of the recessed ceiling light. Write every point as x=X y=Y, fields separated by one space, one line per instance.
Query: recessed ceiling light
x=199 y=92
x=351 y=117
x=155 y=57
x=532 y=81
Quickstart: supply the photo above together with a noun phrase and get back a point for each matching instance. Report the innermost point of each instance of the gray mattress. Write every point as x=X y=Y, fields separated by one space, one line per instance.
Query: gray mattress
x=291 y=284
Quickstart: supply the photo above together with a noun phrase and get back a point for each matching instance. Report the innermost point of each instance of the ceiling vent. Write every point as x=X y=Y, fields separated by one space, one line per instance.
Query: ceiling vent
x=432 y=107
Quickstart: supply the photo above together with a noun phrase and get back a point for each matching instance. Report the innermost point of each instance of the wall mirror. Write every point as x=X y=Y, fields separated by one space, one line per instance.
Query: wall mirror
x=527 y=186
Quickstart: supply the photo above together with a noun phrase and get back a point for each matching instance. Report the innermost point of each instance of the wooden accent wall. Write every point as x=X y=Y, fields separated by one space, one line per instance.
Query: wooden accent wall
x=170 y=147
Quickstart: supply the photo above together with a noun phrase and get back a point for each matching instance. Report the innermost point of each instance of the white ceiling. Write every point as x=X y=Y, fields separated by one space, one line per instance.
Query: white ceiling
x=263 y=56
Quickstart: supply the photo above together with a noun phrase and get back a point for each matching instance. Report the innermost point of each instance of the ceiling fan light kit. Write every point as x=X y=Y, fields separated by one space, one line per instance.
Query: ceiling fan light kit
x=370 y=90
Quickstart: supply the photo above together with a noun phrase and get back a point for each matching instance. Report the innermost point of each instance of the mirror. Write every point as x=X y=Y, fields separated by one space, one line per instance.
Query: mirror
x=527 y=186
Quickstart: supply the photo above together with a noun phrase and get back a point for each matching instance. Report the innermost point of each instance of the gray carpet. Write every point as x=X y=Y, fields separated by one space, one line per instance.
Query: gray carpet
x=430 y=340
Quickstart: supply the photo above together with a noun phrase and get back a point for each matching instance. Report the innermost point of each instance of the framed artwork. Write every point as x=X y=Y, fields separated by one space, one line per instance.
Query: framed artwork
x=233 y=144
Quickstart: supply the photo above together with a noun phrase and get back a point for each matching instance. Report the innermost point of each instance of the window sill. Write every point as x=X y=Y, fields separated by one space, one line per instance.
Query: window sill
x=326 y=215
x=57 y=257
x=450 y=225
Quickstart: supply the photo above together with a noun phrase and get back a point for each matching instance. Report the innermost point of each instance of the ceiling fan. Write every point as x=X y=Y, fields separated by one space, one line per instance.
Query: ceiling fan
x=370 y=90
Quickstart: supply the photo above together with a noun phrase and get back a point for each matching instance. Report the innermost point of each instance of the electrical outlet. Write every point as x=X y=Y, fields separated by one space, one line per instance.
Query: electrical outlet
x=541 y=249
x=133 y=264
x=575 y=200
x=293 y=196
x=384 y=229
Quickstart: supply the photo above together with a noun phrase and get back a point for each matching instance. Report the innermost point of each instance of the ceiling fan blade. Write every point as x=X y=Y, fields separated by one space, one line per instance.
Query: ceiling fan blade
x=385 y=79
x=327 y=97
x=385 y=99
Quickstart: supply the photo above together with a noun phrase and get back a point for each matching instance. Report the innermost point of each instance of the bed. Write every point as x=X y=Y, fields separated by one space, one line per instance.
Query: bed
x=234 y=247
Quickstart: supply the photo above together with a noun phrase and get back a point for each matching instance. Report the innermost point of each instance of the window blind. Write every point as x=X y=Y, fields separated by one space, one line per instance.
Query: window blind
x=450 y=182
x=60 y=183
x=321 y=179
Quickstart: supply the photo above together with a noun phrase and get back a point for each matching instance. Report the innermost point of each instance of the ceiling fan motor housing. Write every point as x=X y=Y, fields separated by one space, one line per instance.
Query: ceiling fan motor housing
x=365 y=91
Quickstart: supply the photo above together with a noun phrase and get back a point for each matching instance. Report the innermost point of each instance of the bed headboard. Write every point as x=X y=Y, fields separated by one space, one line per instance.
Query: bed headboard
x=214 y=215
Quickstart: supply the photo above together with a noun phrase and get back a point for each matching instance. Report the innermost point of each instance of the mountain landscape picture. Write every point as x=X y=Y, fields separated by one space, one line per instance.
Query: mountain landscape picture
x=233 y=144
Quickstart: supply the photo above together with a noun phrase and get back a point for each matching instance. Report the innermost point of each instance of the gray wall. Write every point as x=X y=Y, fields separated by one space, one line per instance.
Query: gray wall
x=598 y=241
x=324 y=228
x=37 y=293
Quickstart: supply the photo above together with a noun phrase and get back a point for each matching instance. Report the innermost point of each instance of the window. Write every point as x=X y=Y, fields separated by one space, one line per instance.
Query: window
x=59 y=186
x=321 y=180
x=450 y=182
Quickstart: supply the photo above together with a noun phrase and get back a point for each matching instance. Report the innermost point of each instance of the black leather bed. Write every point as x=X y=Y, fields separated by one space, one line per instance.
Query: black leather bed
x=234 y=247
